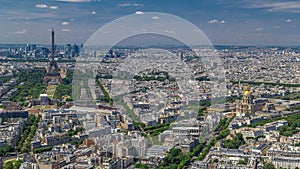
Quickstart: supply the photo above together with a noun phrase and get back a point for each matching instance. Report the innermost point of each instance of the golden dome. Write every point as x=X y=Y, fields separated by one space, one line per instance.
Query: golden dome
x=247 y=91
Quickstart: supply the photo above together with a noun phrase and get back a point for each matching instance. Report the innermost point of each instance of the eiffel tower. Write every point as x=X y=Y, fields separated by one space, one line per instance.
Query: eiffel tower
x=52 y=76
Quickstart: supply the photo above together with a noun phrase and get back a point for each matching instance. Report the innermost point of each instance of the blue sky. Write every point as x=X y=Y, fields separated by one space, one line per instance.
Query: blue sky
x=225 y=22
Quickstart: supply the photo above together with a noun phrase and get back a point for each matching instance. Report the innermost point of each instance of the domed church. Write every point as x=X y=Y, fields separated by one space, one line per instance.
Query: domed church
x=245 y=107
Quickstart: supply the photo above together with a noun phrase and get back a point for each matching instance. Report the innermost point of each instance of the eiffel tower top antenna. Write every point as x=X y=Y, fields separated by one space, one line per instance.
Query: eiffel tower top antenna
x=52 y=46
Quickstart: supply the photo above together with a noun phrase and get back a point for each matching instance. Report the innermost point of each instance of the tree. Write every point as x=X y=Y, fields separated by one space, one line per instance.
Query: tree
x=139 y=165
x=215 y=160
x=9 y=148
x=269 y=166
x=173 y=159
x=243 y=162
x=2 y=152
x=235 y=142
x=24 y=150
x=9 y=165
x=17 y=164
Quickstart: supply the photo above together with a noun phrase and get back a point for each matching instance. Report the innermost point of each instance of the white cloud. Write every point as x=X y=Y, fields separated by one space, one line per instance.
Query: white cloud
x=127 y=5
x=94 y=12
x=170 y=31
x=138 y=5
x=213 y=21
x=53 y=7
x=66 y=30
x=139 y=12
x=222 y=21
x=216 y=21
x=289 y=20
x=155 y=17
x=276 y=27
x=65 y=23
x=18 y=18
x=123 y=5
x=259 y=29
x=23 y=31
x=42 y=6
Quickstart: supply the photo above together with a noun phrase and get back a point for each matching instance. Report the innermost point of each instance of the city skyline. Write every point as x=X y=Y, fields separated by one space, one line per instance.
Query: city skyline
x=225 y=23
x=129 y=84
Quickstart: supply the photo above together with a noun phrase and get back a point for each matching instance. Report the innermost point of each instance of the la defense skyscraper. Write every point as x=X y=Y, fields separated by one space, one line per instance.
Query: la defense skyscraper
x=52 y=75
